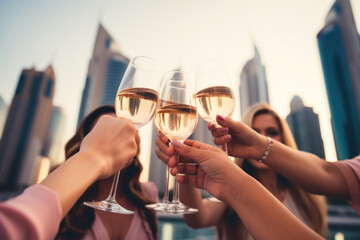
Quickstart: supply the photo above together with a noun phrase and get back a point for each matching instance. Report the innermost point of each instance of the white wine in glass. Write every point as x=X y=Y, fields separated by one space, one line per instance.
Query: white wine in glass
x=214 y=94
x=177 y=119
x=136 y=100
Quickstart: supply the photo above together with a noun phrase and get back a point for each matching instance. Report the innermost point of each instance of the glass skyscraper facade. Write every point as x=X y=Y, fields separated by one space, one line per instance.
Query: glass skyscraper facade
x=339 y=46
x=305 y=127
x=106 y=69
x=253 y=84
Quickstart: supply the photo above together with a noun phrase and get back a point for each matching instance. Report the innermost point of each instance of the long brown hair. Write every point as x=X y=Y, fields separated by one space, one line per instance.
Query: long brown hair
x=80 y=218
x=313 y=207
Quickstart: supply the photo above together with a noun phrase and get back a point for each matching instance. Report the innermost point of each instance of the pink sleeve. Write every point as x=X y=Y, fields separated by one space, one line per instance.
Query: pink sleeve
x=351 y=171
x=35 y=214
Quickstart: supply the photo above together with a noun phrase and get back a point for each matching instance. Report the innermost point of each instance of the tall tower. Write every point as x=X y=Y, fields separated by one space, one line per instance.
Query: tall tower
x=3 y=112
x=339 y=46
x=25 y=128
x=305 y=127
x=53 y=148
x=253 y=84
x=106 y=69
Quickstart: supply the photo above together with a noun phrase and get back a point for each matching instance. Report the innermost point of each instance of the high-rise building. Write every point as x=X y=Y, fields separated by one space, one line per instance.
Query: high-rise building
x=106 y=69
x=53 y=145
x=253 y=84
x=305 y=127
x=3 y=112
x=25 y=128
x=339 y=46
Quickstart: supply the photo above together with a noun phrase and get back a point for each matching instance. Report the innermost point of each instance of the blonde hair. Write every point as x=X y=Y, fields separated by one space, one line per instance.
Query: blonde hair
x=313 y=207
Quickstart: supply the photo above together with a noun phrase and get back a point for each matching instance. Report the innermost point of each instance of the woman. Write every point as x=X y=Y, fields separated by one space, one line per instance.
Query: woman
x=308 y=208
x=83 y=222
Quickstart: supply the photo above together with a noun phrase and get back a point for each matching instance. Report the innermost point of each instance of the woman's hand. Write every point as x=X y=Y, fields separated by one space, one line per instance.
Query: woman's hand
x=241 y=140
x=211 y=172
x=112 y=140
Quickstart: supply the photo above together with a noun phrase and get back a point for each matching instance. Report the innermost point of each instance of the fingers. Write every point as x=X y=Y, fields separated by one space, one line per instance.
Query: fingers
x=218 y=131
x=188 y=151
x=222 y=140
x=187 y=179
x=185 y=168
x=162 y=156
x=161 y=145
x=163 y=138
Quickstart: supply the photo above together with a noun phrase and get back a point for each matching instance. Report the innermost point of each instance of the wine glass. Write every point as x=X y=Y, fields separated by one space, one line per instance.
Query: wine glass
x=177 y=119
x=214 y=94
x=137 y=100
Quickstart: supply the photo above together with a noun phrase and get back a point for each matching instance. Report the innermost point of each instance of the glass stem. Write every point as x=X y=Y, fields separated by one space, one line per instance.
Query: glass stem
x=176 y=186
x=112 y=194
x=166 y=193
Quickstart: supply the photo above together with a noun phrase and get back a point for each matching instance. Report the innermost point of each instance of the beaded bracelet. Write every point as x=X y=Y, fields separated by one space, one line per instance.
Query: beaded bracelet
x=267 y=151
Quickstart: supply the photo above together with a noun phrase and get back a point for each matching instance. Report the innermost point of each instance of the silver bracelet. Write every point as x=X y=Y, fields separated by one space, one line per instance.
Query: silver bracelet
x=267 y=151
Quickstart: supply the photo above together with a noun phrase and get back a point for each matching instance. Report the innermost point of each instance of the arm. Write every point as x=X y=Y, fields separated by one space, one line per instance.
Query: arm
x=262 y=214
x=209 y=213
x=305 y=169
x=99 y=157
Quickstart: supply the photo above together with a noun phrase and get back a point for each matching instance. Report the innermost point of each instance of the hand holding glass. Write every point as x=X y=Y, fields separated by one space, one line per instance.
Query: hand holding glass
x=177 y=119
x=137 y=100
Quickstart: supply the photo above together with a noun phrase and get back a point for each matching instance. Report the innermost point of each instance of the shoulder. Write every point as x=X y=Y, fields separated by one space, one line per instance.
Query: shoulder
x=150 y=189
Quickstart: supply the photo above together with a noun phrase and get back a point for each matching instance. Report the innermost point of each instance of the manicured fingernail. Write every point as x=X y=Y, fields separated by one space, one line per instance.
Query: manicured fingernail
x=177 y=144
x=212 y=126
x=227 y=137
x=224 y=130
x=219 y=117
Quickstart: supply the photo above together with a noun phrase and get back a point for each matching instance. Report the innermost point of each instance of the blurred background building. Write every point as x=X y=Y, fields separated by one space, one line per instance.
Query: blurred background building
x=25 y=128
x=3 y=113
x=339 y=47
x=305 y=127
x=106 y=69
x=253 y=84
x=53 y=148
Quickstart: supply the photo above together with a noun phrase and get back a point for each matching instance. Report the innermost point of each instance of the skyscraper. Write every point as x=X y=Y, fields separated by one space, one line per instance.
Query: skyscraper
x=3 y=112
x=54 y=138
x=25 y=128
x=305 y=127
x=253 y=84
x=339 y=46
x=106 y=69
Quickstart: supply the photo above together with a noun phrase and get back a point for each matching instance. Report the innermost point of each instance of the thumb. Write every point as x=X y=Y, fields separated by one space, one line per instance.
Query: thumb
x=188 y=151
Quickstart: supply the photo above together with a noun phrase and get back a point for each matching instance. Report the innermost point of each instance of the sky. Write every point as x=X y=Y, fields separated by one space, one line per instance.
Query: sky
x=175 y=33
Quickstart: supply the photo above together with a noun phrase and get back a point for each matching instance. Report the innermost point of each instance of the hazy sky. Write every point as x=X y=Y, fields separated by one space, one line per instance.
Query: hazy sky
x=175 y=32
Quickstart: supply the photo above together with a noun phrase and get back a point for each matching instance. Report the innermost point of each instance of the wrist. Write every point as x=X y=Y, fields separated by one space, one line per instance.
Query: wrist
x=231 y=184
x=93 y=162
x=266 y=153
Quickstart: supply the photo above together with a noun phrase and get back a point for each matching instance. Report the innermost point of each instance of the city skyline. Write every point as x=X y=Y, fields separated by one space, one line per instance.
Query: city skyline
x=284 y=32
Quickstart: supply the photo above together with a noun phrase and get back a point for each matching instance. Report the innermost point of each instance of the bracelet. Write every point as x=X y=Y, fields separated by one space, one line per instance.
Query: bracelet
x=267 y=151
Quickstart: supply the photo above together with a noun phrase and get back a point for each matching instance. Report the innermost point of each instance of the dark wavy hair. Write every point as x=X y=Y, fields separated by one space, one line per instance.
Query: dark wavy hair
x=80 y=218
